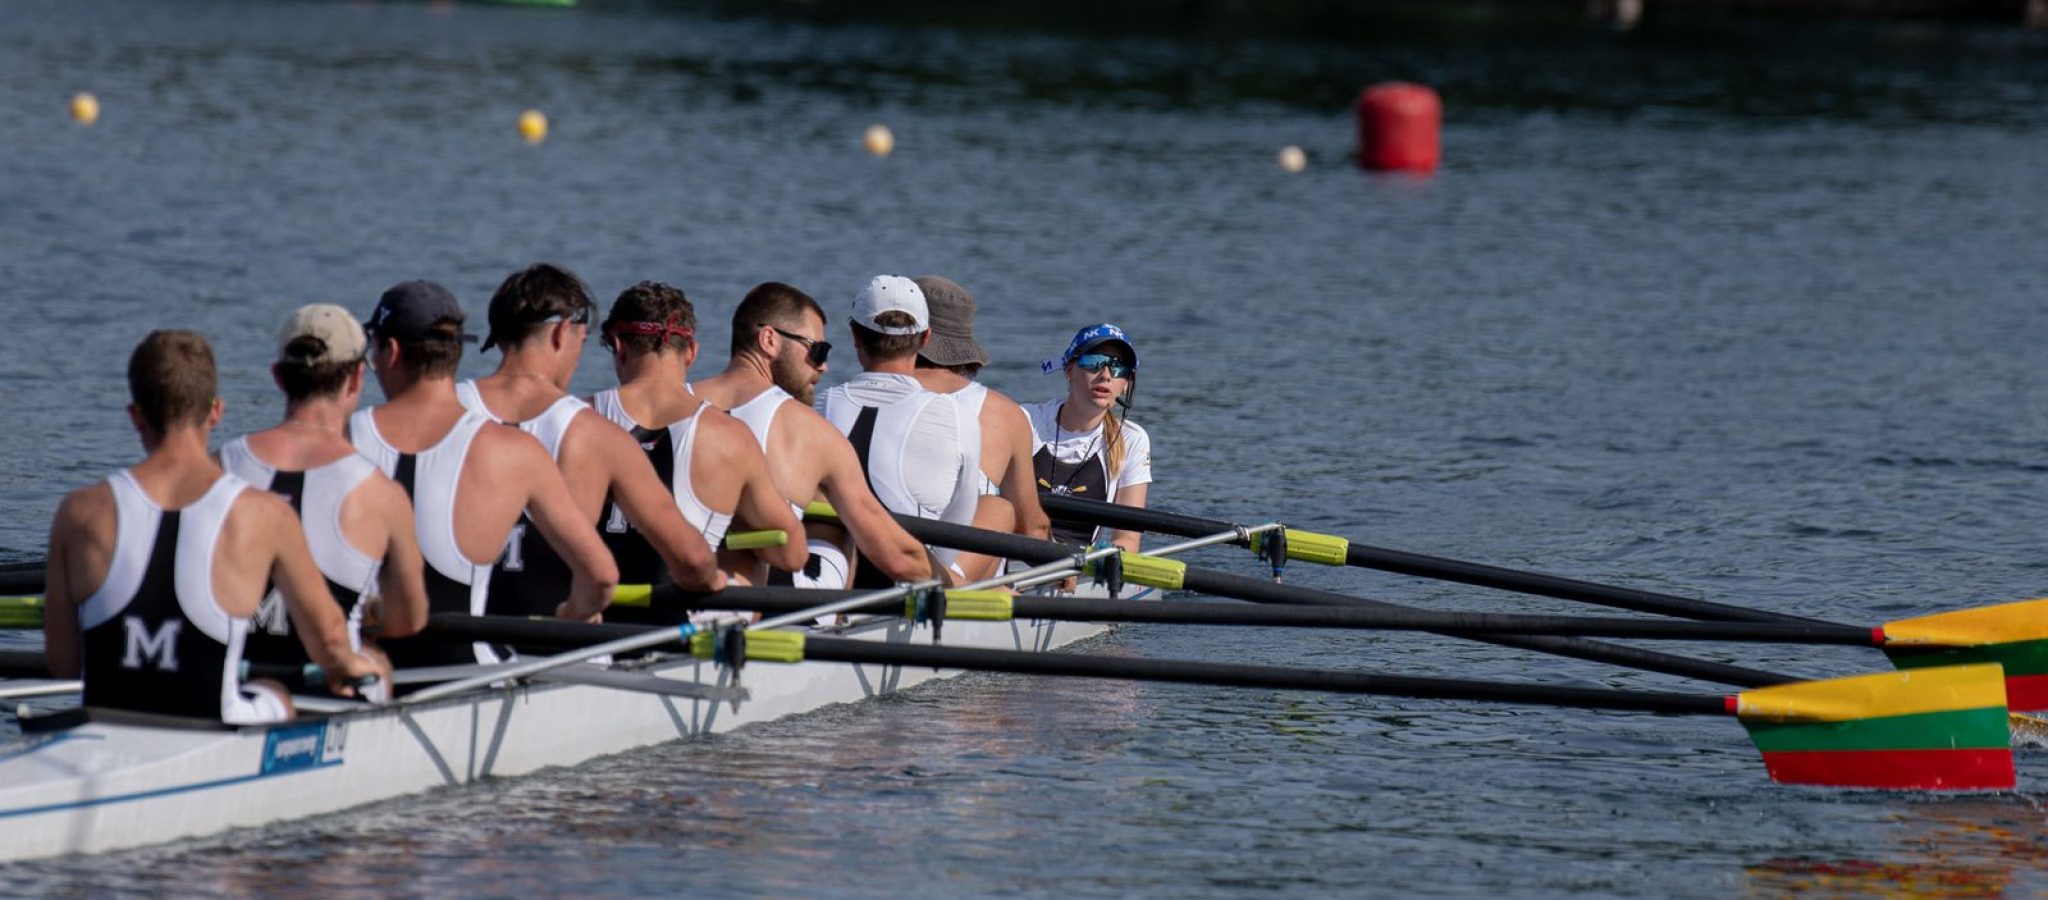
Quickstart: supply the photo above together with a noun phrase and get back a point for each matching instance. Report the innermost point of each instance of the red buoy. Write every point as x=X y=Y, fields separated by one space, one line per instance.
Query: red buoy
x=1398 y=127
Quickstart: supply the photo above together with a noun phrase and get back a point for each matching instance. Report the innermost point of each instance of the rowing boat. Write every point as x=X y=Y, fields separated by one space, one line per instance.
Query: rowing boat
x=118 y=781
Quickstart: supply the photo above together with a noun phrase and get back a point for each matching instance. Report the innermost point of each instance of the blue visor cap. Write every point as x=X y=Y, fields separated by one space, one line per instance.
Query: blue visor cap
x=1088 y=339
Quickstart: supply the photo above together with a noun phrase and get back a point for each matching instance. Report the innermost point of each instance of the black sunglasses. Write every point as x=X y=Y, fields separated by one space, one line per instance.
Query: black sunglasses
x=816 y=350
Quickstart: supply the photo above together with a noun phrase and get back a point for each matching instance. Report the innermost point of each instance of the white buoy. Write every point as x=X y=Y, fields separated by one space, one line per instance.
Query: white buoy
x=1292 y=159
x=879 y=140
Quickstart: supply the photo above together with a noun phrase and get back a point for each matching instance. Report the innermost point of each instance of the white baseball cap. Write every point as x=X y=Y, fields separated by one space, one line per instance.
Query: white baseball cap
x=891 y=293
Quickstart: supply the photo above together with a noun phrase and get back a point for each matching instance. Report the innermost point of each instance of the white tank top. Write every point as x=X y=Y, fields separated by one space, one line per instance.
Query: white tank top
x=971 y=399
x=758 y=415
x=922 y=455
x=137 y=520
x=549 y=426
x=320 y=499
x=436 y=473
x=682 y=437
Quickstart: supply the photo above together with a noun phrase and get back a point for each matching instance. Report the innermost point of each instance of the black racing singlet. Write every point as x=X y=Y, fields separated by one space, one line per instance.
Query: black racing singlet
x=152 y=644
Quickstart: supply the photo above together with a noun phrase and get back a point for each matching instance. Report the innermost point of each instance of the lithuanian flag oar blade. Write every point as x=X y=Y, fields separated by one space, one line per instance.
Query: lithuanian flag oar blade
x=2013 y=635
x=1921 y=729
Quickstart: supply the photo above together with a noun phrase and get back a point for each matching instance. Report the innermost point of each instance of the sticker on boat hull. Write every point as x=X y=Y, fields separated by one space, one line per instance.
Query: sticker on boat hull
x=290 y=748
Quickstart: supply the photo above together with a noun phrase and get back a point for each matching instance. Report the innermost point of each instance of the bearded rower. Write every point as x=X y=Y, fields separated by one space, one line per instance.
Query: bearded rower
x=778 y=354
x=470 y=479
x=709 y=461
x=154 y=573
x=357 y=522
x=540 y=317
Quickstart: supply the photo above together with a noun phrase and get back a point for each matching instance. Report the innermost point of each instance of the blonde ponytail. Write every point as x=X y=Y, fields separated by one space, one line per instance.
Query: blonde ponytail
x=1113 y=446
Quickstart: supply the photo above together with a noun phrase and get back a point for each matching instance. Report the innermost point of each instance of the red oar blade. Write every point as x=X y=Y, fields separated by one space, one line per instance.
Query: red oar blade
x=2013 y=635
x=1925 y=729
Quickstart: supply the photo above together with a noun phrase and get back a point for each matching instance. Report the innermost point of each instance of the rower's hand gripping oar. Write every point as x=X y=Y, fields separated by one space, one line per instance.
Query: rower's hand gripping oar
x=2015 y=635
x=1930 y=729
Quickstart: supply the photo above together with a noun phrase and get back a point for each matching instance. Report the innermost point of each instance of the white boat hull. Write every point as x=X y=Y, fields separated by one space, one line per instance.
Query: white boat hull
x=104 y=786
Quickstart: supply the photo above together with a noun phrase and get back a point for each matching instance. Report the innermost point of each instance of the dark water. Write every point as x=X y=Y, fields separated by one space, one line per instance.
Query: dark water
x=1745 y=311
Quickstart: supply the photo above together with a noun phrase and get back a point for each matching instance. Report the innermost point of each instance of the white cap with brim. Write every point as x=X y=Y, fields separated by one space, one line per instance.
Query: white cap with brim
x=891 y=293
x=337 y=336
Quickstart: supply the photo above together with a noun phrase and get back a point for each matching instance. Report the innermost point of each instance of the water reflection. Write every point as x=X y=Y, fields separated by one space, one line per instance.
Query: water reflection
x=1966 y=847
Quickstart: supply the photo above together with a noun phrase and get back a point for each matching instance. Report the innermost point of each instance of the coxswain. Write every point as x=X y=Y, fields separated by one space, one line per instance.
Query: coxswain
x=921 y=450
x=948 y=364
x=153 y=574
x=540 y=317
x=779 y=352
x=1086 y=449
x=708 y=461
x=470 y=479
x=357 y=521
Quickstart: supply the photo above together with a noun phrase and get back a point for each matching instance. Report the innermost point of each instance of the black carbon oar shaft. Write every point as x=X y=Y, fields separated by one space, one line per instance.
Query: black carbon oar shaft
x=1184 y=612
x=830 y=649
x=1130 y=518
x=1031 y=550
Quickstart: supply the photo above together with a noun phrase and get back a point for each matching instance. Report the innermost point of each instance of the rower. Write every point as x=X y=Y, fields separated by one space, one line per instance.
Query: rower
x=1085 y=448
x=154 y=573
x=709 y=462
x=470 y=479
x=948 y=365
x=921 y=450
x=778 y=355
x=357 y=521
x=540 y=317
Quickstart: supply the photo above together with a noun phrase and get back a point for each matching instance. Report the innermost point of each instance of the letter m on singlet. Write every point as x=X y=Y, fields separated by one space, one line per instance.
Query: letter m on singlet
x=159 y=647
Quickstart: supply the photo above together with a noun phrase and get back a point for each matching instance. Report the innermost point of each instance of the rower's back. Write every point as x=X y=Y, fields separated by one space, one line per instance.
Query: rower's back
x=155 y=572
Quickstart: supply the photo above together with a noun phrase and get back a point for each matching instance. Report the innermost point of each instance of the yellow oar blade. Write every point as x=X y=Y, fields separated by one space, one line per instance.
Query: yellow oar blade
x=2013 y=635
x=21 y=612
x=1926 y=729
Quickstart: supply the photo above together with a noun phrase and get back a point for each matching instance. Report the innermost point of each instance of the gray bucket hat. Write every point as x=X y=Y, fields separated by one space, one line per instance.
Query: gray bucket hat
x=952 y=317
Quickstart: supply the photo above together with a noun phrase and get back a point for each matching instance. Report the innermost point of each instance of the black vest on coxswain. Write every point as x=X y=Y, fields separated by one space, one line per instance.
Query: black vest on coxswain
x=146 y=653
x=1085 y=480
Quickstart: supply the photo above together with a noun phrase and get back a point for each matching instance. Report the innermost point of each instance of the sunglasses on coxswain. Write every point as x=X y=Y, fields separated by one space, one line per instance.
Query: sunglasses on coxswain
x=815 y=350
x=1096 y=362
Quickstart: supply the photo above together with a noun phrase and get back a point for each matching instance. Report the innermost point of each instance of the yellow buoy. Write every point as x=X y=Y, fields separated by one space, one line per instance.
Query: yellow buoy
x=85 y=108
x=879 y=140
x=533 y=126
x=1292 y=159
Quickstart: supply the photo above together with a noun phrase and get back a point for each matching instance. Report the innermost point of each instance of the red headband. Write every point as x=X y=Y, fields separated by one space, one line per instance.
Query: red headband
x=664 y=330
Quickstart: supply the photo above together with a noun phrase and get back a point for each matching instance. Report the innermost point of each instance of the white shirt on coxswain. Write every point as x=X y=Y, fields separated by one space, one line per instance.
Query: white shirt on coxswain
x=1072 y=448
x=924 y=452
x=682 y=437
x=155 y=637
x=431 y=482
x=316 y=494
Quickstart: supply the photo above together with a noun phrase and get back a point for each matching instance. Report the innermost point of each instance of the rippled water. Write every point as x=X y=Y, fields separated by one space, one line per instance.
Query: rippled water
x=1749 y=311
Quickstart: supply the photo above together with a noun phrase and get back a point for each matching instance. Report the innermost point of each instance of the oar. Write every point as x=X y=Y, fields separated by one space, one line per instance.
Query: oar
x=730 y=639
x=2014 y=635
x=998 y=606
x=1934 y=729
x=1908 y=641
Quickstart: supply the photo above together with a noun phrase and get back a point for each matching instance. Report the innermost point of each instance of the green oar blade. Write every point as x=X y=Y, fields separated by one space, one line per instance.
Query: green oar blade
x=2013 y=635
x=1927 y=729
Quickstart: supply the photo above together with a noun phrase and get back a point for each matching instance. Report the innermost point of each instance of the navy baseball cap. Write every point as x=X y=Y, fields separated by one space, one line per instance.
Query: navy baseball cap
x=407 y=312
x=1088 y=339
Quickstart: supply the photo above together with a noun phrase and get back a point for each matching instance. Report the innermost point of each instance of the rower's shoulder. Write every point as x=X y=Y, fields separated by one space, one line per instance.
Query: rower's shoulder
x=84 y=506
x=727 y=437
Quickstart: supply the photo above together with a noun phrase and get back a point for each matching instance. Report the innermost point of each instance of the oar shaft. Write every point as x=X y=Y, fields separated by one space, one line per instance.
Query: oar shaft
x=830 y=649
x=1010 y=546
x=1184 y=612
x=1400 y=562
